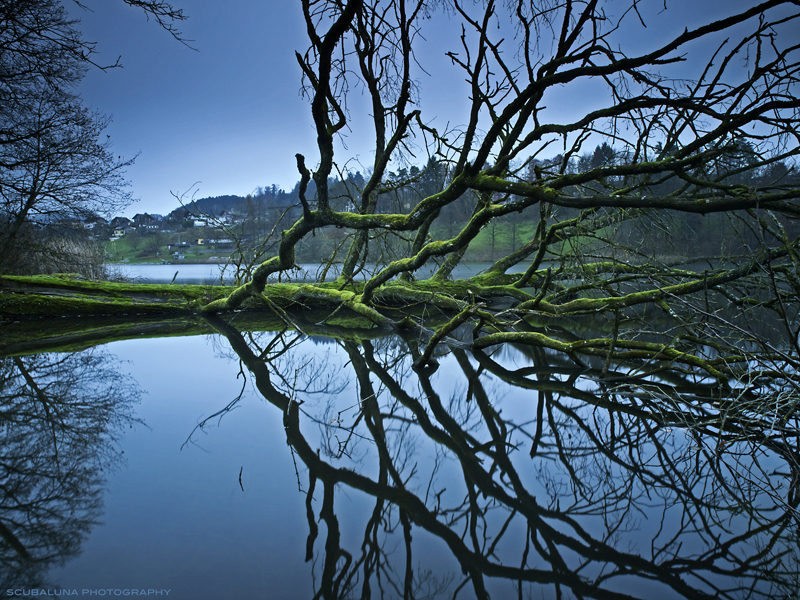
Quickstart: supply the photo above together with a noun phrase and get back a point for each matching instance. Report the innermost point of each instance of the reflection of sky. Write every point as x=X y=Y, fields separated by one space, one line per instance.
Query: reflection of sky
x=178 y=518
x=175 y=517
x=230 y=115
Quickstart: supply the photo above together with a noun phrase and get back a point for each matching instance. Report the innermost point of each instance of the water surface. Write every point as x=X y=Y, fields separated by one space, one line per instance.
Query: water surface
x=210 y=273
x=274 y=465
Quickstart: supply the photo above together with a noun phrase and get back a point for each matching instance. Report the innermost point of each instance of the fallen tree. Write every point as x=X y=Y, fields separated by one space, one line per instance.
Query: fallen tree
x=703 y=122
x=696 y=142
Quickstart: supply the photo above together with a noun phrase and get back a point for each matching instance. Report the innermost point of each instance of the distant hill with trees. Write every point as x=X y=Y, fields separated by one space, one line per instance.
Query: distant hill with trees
x=212 y=206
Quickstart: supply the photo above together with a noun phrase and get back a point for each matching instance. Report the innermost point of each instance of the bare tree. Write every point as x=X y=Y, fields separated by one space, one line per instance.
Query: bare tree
x=62 y=170
x=700 y=124
x=55 y=163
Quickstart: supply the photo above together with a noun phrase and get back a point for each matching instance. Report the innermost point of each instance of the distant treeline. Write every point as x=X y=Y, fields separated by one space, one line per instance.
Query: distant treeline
x=260 y=217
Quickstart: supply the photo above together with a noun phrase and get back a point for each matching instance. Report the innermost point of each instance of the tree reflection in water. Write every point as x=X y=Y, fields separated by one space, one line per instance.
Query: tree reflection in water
x=592 y=483
x=60 y=415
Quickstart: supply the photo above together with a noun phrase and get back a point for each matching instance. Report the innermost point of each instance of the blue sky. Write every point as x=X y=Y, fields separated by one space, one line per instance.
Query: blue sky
x=222 y=114
x=226 y=116
x=226 y=113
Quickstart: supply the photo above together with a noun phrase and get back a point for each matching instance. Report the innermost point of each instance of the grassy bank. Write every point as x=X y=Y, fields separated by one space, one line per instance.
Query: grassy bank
x=129 y=249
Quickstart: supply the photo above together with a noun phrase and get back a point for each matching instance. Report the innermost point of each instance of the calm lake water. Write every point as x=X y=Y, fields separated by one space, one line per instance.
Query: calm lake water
x=273 y=465
x=210 y=273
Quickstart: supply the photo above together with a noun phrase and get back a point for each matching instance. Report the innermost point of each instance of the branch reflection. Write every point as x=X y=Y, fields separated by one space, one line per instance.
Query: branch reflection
x=549 y=477
x=60 y=415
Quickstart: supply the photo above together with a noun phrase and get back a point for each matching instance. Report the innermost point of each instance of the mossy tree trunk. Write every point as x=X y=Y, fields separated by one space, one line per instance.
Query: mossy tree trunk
x=604 y=238
x=600 y=245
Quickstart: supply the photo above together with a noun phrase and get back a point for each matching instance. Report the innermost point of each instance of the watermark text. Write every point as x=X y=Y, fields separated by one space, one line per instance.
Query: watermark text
x=40 y=592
